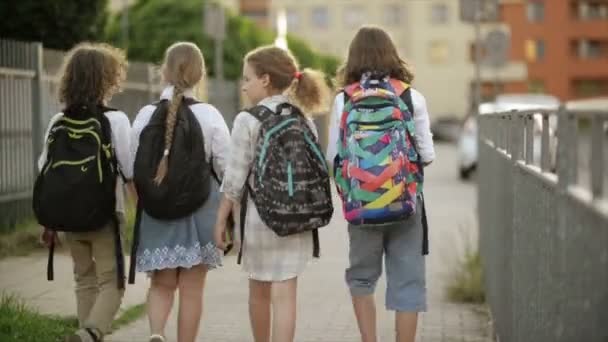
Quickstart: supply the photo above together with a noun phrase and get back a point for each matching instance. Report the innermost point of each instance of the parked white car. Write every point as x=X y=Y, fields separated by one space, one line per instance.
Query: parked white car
x=468 y=142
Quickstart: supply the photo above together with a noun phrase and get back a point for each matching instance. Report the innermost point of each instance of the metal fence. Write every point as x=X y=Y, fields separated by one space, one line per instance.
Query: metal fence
x=29 y=78
x=544 y=235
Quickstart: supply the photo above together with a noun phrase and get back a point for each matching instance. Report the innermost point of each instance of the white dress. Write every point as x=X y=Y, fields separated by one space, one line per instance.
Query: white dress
x=266 y=256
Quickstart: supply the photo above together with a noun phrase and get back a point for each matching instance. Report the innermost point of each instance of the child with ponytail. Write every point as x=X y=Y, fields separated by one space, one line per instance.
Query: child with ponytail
x=180 y=149
x=274 y=258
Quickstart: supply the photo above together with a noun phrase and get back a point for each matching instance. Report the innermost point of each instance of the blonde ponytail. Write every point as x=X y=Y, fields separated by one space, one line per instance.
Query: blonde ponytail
x=171 y=120
x=309 y=90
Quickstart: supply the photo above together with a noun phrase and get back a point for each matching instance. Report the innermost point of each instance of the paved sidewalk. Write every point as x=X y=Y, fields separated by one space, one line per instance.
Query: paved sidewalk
x=325 y=312
x=26 y=277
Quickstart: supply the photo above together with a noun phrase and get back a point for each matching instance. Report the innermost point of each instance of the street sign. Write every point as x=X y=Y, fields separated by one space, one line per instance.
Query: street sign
x=496 y=45
x=215 y=21
x=489 y=10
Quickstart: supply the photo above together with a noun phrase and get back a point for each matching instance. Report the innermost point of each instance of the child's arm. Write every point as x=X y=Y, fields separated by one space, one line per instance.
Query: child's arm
x=334 y=127
x=236 y=174
x=424 y=137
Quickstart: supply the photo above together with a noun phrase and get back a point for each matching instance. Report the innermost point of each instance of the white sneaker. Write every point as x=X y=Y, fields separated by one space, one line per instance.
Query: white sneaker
x=156 y=338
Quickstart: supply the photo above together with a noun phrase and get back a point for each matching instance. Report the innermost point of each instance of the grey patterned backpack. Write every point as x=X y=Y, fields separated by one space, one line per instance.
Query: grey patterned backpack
x=291 y=189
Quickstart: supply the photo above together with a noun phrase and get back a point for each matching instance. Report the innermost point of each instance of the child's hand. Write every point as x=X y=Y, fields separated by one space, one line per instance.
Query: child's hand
x=48 y=236
x=220 y=234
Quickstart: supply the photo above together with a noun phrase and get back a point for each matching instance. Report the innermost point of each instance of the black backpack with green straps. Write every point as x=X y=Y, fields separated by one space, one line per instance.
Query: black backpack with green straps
x=75 y=190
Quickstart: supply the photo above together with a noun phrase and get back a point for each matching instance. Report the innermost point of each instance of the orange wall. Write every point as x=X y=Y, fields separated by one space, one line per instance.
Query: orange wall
x=559 y=27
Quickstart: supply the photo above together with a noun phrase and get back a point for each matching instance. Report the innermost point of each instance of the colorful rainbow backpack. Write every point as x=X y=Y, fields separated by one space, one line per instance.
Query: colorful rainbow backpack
x=377 y=169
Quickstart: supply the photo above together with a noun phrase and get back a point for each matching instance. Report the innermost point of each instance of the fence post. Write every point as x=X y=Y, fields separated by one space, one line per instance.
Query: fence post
x=37 y=131
x=567 y=146
x=150 y=73
x=517 y=135
x=597 y=157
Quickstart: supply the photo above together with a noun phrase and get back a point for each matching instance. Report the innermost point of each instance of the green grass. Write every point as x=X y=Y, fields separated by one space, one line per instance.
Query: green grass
x=22 y=241
x=25 y=237
x=467 y=284
x=128 y=316
x=129 y=225
x=20 y=323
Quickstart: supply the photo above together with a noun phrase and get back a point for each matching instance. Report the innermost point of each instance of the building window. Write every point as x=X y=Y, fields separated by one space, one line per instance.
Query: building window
x=591 y=10
x=438 y=51
x=472 y=52
x=320 y=17
x=353 y=16
x=535 y=50
x=590 y=49
x=293 y=19
x=439 y=13
x=536 y=86
x=590 y=87
x=536 y=11
x=393 y=15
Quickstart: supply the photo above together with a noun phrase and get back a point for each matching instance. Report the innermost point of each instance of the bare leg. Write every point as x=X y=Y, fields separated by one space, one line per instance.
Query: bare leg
x=284 y=300
x=365 y=310
x=160 y=299
x=259 y=309
x=191 y=283
x=405 y=324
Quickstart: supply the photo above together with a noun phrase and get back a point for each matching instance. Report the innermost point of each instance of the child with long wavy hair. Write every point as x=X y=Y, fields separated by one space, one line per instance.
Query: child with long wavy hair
x=373 y=56
x=271 y=78
x=178 y=252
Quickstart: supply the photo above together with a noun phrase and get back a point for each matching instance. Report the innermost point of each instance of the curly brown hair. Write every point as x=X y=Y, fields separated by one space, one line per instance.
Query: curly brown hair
x=372 y=49
x=306 y=88
x=91 y=74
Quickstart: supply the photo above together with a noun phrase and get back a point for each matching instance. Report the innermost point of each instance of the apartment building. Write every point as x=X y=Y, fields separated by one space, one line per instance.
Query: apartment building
x=256 y=10
x=428 y=33
x=564 y=44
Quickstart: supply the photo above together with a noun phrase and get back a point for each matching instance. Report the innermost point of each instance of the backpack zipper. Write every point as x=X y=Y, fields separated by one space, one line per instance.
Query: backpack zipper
x=88 y=130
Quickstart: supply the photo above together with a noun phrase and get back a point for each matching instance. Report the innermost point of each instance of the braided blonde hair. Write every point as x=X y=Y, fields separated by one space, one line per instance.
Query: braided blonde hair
x=183 y=68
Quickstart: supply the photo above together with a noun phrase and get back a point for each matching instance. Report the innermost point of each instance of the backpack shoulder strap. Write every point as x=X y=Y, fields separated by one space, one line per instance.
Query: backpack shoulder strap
x=261 y=113
x=350 y=89
x=106 y=130
x=189 y=101
x=406 y=96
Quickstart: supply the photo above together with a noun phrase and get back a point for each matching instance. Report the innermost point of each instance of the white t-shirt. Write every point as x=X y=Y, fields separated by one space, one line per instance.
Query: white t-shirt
x=423 y=136
x=121 y=141
x=216 y=135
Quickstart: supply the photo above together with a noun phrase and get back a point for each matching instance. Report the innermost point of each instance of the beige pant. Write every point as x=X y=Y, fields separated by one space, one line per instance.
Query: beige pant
x=97 y=295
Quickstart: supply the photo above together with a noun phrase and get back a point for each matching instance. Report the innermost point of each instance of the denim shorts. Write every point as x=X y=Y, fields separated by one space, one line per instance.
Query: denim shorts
x=401 y=246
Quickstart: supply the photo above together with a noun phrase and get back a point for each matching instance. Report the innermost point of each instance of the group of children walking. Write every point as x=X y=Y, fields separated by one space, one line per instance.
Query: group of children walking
x=193 y=179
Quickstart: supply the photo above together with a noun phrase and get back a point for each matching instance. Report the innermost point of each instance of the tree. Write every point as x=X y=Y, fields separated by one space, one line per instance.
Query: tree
x=156 y=24
x=58 y=24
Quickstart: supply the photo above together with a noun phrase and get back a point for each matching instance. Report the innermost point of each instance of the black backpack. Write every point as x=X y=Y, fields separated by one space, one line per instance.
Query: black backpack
x=75 y=191
x=187 y=184
x=292 y=190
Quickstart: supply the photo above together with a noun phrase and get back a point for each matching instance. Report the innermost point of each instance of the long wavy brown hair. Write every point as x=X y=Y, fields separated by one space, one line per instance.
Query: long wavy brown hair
x=183 y=68
x=91 y=74
x=372 y=49
x=307 y=88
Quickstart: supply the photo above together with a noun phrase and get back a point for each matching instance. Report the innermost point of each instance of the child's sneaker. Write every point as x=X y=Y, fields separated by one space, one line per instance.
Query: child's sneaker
x=85 y=335
x=156 y=338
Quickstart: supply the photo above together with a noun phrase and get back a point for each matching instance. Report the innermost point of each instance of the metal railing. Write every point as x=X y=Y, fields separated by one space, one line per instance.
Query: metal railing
x=29 y=82
x=544 y=234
